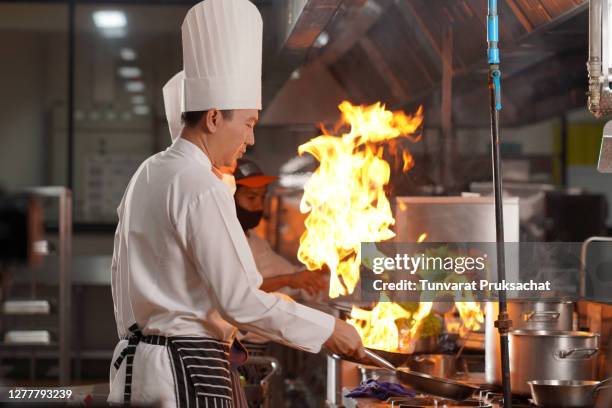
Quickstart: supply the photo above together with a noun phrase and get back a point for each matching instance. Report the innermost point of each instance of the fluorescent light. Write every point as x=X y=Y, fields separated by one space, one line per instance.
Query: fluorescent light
x=94 y=115
x=321 y=40
x=134 y=86
x=118 y=32
x=109 y=19
x=141 y=110
x=128 y=54
x=130 y=72
x=139 y=100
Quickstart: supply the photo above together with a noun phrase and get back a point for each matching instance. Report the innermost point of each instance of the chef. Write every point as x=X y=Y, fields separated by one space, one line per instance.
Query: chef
x=277 y=272
x=183 y=277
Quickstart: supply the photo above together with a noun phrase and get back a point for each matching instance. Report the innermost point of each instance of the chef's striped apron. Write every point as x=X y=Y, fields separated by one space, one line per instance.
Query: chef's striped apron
x=203 y=377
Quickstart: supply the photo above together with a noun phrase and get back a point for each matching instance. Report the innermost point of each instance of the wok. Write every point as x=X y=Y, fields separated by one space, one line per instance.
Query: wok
x=425 y=383
x=566 y=394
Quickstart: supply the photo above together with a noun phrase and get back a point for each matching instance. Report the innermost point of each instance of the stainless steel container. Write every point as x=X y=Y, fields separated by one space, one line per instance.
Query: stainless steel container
x=551 y=355
x=534 y=315
x=438 y=365
x=566 y=394
x=541 y=315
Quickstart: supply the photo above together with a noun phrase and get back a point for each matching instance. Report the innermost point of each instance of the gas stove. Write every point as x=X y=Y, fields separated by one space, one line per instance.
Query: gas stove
x=484 y=400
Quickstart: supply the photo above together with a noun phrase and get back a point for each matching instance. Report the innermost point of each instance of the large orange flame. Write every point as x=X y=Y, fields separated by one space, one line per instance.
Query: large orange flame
x=345 y=198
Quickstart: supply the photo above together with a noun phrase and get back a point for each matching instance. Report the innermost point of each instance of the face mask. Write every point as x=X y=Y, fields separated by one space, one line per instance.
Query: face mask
x=229 y=181
x=248 y=219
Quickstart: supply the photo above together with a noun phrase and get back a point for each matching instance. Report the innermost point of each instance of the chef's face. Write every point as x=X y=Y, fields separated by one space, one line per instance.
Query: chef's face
x=250 y=198
x=233 y=135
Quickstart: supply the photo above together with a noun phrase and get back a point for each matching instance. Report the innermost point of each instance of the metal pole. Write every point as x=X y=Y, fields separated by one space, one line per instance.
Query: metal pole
x=65 y=284
x=503 y=323
x=70 y=104
x=563 y=153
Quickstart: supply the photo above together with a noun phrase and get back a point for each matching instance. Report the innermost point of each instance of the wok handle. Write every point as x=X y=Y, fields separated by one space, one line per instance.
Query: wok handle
x=566 y=353
x=379 y=360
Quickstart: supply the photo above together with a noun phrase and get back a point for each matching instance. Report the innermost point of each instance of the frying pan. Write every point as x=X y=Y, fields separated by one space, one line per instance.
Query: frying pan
x=425 y=383
x=395 y=358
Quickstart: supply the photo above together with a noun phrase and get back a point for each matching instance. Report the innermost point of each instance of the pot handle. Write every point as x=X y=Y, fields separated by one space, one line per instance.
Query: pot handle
x=590 y=352
x=601 y=385
x=534 y=316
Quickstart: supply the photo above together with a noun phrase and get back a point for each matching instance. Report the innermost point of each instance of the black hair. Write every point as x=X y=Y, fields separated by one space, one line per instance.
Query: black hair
x=192 y=118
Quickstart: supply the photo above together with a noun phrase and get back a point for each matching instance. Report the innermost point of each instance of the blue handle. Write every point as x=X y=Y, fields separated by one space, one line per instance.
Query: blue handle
x=497 y=88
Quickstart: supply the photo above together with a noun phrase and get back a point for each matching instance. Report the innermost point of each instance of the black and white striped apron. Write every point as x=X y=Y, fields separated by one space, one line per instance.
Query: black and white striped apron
x=203 y=377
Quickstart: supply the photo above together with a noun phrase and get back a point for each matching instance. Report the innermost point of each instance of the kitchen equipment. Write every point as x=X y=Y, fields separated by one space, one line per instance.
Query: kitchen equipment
x=454 y=219
x=426 y=383
x=437 y=365
x=426 y=402
x=396 y=358
x=541 y=315
x=525 y=315
x=551 y=355
x=381 y=374
x=566 y=394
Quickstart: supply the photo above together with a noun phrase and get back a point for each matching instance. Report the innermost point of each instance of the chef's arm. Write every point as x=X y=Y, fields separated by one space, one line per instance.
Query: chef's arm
x=275 y=283
x=310 y=281
x=222 y=255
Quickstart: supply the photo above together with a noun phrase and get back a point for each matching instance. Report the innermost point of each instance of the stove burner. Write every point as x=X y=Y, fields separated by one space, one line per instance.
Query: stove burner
x=432 y=402
x=485 y=399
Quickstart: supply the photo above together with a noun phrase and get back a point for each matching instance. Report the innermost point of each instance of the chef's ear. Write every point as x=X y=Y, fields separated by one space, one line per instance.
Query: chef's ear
x=212 y=120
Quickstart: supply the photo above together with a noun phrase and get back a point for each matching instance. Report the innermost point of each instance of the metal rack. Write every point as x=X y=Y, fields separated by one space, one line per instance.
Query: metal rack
x=63 y=250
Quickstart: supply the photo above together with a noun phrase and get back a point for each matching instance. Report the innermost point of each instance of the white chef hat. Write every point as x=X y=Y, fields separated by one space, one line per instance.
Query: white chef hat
x=222 y=56
x=172 y=104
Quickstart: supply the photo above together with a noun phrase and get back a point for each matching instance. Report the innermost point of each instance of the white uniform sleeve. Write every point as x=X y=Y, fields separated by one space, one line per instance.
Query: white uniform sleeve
x=221 y=254
x=269 y=263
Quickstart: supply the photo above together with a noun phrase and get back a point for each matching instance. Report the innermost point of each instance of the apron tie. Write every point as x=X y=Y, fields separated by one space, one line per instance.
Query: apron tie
x=128 y=354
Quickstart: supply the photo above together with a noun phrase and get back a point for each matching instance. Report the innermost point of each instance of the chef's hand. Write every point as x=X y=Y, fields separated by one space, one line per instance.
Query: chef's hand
x=311 y=281
x=345 y=342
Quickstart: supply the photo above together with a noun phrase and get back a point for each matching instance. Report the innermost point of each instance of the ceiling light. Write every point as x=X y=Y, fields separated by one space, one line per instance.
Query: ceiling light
x=128 y=54
x=134 y=86
x=94 y=115
x=130 y=72
x=118 y=32
x=109 y=19
x=139 y=100
x=321 y=40
x=141 y=110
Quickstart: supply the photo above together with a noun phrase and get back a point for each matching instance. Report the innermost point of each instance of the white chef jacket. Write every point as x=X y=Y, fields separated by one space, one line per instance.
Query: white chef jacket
x=269 y=263
x=182 y=267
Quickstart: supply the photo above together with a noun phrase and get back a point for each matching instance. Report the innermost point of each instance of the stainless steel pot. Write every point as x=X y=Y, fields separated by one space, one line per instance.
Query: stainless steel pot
x=438 y=365
x=551 y=355
x=541 y=315
x=533 y=315
x=566 y=394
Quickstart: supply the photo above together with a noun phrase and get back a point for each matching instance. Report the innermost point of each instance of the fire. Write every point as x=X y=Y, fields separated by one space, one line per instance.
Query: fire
x=345 y=198
x=377 y=327
x=379 y=330
x=472 y=316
